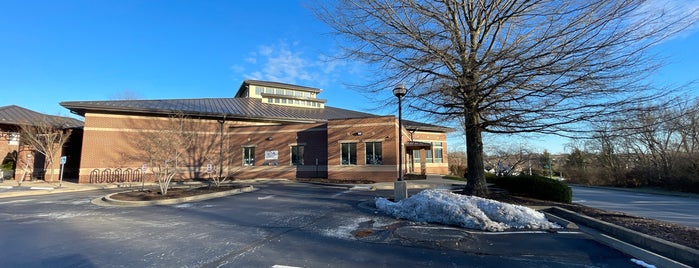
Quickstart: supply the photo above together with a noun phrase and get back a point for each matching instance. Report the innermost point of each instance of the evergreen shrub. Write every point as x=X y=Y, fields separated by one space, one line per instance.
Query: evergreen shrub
x=535 y=186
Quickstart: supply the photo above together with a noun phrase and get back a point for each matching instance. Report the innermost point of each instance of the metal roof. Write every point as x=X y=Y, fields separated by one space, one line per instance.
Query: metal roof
x=231 y=108
x=239 y=108
x=16 y=115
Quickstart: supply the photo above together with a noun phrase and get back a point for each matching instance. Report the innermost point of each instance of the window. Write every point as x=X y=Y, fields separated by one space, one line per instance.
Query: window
x=373 y=153
x=416 y=156
x=428 y=156
x=259 y=90
x=297 y=155
x=248 y=156
x=438 y=151
x=13 y=138
x=348 y=153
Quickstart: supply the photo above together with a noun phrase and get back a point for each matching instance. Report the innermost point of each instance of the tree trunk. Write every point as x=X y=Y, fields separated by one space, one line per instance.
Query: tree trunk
x=475 y=172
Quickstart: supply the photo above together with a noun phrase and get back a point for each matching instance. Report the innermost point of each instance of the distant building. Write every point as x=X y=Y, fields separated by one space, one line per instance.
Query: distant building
x=14 y=151
x=268 y=130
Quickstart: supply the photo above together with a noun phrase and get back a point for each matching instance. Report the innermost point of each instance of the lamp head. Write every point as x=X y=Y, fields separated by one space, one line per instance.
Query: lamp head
x=399 y=90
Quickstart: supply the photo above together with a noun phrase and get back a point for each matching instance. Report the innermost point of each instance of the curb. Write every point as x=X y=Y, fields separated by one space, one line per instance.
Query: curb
x=672 y=251
x=108 y=201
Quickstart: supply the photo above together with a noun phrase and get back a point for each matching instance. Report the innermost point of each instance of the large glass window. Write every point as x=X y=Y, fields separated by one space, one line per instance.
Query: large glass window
x=297 y=155
x=438 y=151
x=373 y=153
x=416 y=156
x=428 y=156
x=348 y=153
x=248 y=156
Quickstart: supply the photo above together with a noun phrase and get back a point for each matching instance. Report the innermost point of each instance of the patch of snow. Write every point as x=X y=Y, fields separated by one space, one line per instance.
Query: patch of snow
x=183 y=205
x=345 y=231
x=642 y=263
x=445 y=207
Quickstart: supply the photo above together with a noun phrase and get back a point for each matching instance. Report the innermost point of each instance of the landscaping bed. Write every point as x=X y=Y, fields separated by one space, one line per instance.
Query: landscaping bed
x=150 y=194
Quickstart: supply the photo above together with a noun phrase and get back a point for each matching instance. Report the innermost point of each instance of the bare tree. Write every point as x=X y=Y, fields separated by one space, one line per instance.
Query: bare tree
x=508 y=66
x=165 y=147
x=457 y=163
x=47 y=137
x=507 y=158
x=125 y=94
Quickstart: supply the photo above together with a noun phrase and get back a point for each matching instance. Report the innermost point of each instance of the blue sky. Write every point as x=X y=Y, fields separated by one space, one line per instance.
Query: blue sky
x=53 y=51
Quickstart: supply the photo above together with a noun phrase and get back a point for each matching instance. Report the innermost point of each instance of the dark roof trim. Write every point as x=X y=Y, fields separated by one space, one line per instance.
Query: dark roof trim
x=413 y=145
x=417 y=126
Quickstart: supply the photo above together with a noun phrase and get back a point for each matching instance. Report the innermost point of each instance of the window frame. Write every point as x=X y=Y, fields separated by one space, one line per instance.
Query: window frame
x=372 y=145
x=350 y=162
x=438 y=146
x=294 y=148
x=251 y=155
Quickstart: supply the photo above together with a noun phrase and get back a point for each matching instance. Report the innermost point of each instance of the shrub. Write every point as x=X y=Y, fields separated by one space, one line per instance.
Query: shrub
x=536 y=187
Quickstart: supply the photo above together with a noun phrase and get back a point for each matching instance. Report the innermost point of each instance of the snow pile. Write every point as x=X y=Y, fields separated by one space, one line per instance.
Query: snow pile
x=445 y=207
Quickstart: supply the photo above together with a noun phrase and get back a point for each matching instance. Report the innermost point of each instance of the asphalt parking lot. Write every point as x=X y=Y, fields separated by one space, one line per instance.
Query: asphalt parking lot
x=282 y=224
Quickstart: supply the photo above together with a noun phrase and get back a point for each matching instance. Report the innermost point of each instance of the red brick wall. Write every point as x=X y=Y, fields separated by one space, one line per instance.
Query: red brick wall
x=376 y=129
x=112 y=141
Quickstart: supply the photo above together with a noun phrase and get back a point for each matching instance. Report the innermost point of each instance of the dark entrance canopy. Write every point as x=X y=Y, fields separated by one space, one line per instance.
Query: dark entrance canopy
x=416 y=145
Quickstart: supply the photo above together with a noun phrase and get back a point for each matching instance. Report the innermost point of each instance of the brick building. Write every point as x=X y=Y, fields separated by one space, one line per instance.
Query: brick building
x=17 y=157
x=268 y=130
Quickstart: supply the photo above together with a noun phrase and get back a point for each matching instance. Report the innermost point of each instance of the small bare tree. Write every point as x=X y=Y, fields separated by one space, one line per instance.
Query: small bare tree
x=165 y=146
x=508 y=158
x=47 y=137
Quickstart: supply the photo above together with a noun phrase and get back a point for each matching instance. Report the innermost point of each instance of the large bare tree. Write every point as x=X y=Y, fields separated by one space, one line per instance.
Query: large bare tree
x=508 y=66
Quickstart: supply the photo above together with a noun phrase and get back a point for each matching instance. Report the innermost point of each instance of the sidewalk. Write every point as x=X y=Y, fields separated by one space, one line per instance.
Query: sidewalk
x=10 y=188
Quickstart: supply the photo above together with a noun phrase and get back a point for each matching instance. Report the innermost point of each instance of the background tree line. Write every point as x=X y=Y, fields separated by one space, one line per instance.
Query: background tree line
x=657 y=147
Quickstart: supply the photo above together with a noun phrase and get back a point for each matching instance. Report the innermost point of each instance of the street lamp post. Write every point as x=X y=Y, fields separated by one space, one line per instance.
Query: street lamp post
x=222 y=121
x=400 y=186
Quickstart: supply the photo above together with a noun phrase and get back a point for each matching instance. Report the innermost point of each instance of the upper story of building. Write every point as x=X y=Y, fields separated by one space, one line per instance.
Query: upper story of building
x=281 y=94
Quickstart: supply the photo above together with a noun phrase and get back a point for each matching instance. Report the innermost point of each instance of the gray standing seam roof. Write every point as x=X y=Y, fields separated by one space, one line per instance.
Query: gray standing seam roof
x=242 y=108
x=16 y=115
x=233 y=108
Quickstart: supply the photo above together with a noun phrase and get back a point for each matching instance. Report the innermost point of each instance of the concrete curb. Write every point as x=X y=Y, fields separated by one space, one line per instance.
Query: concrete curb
x=673 y=251
x=107 y=200
x=34 y=190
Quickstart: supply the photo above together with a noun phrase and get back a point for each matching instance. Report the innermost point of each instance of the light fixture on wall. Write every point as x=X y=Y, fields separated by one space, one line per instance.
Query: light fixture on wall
x=358 y=133
x=269 y=138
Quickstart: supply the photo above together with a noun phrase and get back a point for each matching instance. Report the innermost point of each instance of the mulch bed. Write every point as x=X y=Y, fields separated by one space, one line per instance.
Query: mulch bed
x=172 y=193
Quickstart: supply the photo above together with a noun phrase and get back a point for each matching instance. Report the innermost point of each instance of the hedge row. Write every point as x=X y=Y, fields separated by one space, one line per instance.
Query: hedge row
x=535 y=186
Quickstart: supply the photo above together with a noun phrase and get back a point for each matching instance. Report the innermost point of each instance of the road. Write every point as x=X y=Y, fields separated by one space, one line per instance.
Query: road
x=677 y=209
x=281 y=224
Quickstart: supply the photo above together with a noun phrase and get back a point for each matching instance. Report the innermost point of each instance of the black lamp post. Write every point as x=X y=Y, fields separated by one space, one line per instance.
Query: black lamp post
x=221 y=121
x=400 y=91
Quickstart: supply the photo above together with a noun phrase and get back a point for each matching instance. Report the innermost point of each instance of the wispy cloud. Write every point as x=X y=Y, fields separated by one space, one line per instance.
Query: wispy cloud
x=684 y=15
x=280 y=63
x=290 y=62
